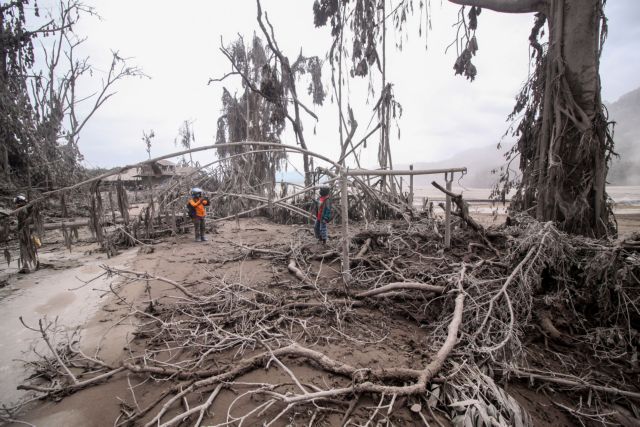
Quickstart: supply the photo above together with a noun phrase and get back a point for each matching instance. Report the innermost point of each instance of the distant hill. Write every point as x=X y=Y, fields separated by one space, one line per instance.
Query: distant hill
x=625 y=170
x=480 y=162
x=626 y=113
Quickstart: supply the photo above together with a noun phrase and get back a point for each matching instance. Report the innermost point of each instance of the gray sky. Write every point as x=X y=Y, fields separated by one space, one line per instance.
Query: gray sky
x=178 y=47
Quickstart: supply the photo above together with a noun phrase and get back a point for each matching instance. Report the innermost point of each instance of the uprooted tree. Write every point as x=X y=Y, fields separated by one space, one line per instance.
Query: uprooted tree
x=564 y=141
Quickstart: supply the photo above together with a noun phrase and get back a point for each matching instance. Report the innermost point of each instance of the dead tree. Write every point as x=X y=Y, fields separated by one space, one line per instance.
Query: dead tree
x=258 y=115
x=40 y=122
x=270 y=82
x=186 y=137
x=359 y=31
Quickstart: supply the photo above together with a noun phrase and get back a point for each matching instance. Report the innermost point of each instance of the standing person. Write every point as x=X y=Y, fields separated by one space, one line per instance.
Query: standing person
x=28 y=244
x=197 y=212
x=323 y=215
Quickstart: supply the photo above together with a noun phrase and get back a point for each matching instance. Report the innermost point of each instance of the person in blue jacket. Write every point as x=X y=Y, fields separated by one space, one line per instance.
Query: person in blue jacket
x=323 y=215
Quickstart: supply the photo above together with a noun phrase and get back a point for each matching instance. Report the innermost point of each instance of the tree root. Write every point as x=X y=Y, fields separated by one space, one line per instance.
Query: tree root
x=401 y=285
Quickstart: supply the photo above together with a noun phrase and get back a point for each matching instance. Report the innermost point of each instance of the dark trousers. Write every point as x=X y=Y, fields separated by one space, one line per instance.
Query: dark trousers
x=320 y=230
x=198 y=226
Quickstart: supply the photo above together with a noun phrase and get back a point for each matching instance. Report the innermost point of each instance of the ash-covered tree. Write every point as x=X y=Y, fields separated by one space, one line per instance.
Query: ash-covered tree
x=41 y=111
x=564 y=141
x=359 y=47
x=256 y=115
x=147 y=140
x=186 y=137
x=564 y=145
x=269 y=83
x=17 y=118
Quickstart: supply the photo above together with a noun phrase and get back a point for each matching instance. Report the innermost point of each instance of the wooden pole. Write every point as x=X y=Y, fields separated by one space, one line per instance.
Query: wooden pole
x=364 y=172
x=447 y=213
x=345 y=227
x=411 y=187
x=112 y=205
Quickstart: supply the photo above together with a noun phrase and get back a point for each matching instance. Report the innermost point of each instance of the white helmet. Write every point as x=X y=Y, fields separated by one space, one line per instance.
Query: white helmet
x=196 y=192
x=20 y=200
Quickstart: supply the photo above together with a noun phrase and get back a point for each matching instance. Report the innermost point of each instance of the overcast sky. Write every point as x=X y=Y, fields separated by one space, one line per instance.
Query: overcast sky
x=177 y=45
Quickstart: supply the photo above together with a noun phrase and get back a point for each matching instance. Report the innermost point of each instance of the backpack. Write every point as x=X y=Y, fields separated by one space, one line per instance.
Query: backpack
x=191 y=210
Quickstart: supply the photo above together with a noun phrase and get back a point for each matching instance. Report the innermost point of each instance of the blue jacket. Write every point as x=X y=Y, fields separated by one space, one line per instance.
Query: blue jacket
x=323 y=209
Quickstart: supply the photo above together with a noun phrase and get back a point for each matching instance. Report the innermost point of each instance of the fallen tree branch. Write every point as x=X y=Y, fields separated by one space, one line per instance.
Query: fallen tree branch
x=145 y=275
x=45 y=337
x=293 y=268
x=275 y=146
x=463 y=208
x=364 y=249
x=72 y=387
x=201 y=409
x=425 y=375
x=401 y=285
x=502 y=292
x=252 y=249
x=526 y=374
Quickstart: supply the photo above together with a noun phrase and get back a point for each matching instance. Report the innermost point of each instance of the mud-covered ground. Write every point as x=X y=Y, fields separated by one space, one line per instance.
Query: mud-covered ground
x=68 y=289
x=625 y=203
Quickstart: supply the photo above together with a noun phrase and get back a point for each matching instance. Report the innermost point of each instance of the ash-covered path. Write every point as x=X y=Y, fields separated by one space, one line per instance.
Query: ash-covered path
x=53 y=292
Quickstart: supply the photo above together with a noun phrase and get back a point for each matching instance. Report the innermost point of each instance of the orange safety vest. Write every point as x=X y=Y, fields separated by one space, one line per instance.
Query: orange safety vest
x=199 y=207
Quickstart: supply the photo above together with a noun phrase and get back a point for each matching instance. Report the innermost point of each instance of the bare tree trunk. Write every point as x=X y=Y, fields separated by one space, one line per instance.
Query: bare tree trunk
x=296 y=121
x=573 y=141
x=6 y=169
x=382 y=150
x=564 y=140
x=343 y=146
x=297 y=126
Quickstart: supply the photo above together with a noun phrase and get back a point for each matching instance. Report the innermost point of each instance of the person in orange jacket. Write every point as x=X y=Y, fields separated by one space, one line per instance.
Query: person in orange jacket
x=197 y=212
